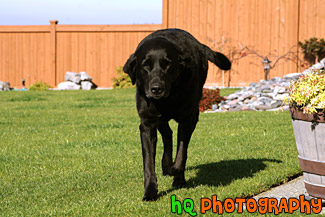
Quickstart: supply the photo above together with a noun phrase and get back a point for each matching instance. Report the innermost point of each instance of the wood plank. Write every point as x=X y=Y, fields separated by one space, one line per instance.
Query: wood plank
x=89 y=54
x=12 y=58
x=111 y=57
x=109 y=28
x=172 y=13
x=103 y=55
x=75 y=52
x=2 y=56
x=53 y=50
x=320 y=141
x=82 y=51
x=195 y=18
x=41 y=56
x=65 y=54
x=305 y=139
x=243 y=38
x=60 y=58
x=314 y=179
x=210 y=35
x=6 y=58
x=33 y=59
x=202 y=22
x=48 y=70
x=165 y=10
x=118 y=50
x=24 y=29
x=97 y=58
x=26 y=59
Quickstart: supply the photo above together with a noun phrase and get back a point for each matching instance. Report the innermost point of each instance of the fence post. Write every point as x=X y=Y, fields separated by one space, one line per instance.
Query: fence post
x=53 y=50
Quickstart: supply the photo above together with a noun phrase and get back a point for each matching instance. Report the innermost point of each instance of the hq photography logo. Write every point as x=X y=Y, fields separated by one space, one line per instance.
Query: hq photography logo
x=262 y=205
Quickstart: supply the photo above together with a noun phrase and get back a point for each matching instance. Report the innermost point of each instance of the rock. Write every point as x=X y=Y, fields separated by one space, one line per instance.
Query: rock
x=275 y=80
x=236 y=108
x=68 y=85
x=232 y=96
x=4 y=86
x=265 y=100
x=233 y=102
x=265 y=95
x=266 y=89
x=226 y=107
x=248 y=108
x=253 y=98
x=317 y=66
x=215 y=107
x=87 y=85
x=246 y=101
x=280 y=90
x=285 y=84
x=81 y=79
x=262 y=107
x=72 y=76
x=292 y=76
x=281 y=97
x=276 y=104
x=323 y=61
x=85 y=77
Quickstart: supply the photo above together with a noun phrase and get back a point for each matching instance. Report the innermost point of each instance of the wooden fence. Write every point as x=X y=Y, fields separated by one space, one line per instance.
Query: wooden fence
x=45 y=53
x=270 y=27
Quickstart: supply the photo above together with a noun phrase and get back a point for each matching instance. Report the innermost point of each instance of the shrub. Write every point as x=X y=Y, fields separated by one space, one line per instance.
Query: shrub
x=209 y=98
x=39 y=86
x=308 y=92
x=122 y=80
x=313 y=49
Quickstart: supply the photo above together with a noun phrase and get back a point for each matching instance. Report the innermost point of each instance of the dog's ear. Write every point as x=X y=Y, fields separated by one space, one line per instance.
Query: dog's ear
x=130 y=67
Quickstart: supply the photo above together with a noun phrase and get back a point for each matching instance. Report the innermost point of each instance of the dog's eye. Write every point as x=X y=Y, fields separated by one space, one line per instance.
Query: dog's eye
x=146 y=66
x=164 y=63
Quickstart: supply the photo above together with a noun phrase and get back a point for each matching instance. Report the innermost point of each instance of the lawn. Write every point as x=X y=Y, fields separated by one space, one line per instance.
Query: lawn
x=78 y=153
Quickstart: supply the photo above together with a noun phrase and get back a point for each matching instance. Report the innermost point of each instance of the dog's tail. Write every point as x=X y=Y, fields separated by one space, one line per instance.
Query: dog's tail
x=218 y=58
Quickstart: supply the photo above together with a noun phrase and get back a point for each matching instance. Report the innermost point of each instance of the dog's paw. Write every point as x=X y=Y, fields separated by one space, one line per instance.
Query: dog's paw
x=149 y=198
x=151 y=193
x=179 y=182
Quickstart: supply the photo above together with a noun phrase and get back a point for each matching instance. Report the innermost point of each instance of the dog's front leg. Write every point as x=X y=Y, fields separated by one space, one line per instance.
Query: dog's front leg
x=149 y=141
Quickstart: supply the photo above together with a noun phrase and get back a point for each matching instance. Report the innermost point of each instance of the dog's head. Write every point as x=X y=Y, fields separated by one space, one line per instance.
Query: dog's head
x=155 y=66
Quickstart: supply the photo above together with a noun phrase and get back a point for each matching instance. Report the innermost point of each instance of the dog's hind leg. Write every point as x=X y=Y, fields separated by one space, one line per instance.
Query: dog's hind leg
x=185 y=130
x=167 y=137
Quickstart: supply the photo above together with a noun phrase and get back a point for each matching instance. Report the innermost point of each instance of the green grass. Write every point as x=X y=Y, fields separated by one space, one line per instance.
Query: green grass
x=78 y=153
x=228 y=91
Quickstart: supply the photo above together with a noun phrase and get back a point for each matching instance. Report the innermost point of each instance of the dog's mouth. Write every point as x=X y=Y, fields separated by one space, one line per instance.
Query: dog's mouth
x=156 y=96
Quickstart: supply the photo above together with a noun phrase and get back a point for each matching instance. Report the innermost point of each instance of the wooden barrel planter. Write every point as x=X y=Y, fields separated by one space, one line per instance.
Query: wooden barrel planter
x=309 y=130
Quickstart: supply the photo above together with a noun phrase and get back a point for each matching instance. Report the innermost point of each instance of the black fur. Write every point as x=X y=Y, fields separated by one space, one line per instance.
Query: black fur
x=169 y=68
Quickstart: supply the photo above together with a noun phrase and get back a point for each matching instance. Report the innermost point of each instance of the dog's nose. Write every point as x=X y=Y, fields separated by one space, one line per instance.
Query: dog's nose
x=156 y=89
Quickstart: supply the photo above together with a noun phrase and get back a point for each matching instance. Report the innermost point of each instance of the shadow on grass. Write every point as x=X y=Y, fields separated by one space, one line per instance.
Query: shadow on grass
x=224 y=172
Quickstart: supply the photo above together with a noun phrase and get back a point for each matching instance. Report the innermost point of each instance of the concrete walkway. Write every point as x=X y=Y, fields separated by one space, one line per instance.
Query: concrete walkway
x=294 y=188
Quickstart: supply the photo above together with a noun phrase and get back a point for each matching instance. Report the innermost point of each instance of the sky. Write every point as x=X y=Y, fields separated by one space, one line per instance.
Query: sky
x=39 y=12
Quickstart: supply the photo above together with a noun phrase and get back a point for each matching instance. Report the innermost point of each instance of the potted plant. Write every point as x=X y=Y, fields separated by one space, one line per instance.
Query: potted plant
x=307 y=109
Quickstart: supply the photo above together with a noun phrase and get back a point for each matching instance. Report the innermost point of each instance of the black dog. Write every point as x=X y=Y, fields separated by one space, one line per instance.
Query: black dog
x=169 y=68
